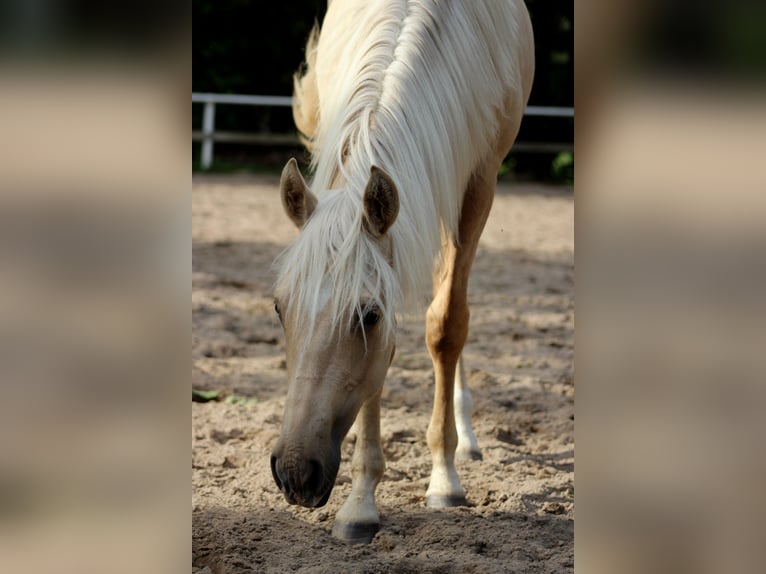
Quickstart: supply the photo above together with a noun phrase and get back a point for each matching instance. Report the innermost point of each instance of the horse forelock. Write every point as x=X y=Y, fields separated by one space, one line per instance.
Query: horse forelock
x=335 y=267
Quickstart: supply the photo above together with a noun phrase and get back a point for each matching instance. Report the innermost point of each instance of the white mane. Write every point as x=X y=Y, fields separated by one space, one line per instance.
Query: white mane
x=413 y=87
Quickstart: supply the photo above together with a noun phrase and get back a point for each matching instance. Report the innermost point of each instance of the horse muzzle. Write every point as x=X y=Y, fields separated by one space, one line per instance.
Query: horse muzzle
x=303 y=481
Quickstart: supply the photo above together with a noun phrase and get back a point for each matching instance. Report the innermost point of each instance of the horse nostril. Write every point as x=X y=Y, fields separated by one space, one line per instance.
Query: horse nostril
x=314 y=478
x=274 y=472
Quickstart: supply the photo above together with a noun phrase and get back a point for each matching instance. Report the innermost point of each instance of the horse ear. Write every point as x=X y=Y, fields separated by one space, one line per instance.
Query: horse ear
x=381 y=202
x=297 y=199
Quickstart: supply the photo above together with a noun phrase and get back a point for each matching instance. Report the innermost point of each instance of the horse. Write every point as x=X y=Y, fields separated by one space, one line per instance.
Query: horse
x=408 y=108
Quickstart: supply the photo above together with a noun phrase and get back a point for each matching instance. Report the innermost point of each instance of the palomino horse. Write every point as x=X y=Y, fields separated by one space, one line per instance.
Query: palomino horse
x=408 y=107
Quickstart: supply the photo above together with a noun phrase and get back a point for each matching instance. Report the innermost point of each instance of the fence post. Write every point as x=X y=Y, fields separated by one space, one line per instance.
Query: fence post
x=208 y=128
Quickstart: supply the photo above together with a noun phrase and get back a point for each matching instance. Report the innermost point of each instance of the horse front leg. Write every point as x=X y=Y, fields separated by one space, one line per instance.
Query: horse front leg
x=446 y=332
x=358 y=520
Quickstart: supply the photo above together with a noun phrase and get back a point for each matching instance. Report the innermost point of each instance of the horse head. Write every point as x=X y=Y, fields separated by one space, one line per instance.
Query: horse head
x=334 y=300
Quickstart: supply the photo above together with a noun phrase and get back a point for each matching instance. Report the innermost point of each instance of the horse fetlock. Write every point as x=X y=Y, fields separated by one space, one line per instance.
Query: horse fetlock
x=444 y=488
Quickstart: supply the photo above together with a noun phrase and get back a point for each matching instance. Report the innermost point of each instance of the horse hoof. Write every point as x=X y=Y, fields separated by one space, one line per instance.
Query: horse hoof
x=445 y=501
x=355 y=532
x=468 y=455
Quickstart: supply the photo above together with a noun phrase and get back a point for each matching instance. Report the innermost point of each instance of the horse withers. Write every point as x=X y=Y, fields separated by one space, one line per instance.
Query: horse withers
x=408 y=108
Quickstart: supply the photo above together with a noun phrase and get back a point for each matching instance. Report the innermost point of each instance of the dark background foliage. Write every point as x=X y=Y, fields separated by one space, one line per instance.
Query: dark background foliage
x=255 y=46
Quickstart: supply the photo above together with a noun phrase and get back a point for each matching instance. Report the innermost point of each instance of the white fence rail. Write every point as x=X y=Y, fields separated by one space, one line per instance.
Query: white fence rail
x=209 y=135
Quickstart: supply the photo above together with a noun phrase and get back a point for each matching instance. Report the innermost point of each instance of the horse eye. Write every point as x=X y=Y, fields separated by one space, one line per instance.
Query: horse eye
x=371 y=317
x=278 y=309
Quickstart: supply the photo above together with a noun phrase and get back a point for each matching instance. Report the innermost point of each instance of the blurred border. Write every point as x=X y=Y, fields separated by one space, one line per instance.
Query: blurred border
x=671 y=271
x=95 y=272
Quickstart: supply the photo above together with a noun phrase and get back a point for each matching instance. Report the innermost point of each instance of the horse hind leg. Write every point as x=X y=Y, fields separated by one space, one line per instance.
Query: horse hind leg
x=358 y=520
x=467 y=445
x=446 y=331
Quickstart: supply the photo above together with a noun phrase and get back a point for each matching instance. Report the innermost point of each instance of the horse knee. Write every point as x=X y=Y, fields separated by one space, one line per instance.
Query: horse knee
x=446 y=332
